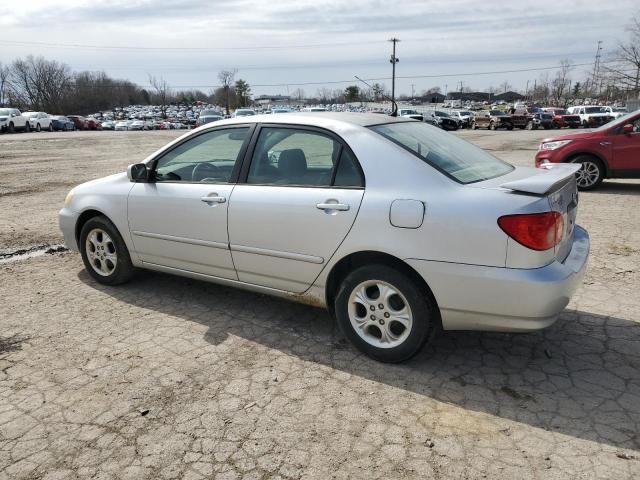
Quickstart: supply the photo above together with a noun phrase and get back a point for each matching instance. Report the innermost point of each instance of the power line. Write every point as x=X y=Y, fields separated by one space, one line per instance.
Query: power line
x=129 y=47
x=444 y=75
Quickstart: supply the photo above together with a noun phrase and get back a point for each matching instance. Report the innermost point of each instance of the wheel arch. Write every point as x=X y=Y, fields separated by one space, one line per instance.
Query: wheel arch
x=84 y=217
x=357 y=259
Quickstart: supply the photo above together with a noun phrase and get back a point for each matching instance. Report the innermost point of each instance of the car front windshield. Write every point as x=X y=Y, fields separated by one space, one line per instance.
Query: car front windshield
x=454 y=157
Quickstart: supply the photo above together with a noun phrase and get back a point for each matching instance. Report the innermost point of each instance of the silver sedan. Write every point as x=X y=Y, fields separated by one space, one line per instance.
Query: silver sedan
x=396 y=227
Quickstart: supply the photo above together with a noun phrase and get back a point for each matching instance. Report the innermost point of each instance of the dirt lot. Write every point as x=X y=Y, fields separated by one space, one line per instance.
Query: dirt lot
x=173 y=378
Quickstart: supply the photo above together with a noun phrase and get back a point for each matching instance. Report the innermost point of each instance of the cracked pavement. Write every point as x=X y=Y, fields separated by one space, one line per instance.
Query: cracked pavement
x=171 y=378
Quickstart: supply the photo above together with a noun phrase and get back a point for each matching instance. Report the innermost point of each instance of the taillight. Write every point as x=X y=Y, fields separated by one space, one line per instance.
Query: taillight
x=537 y=231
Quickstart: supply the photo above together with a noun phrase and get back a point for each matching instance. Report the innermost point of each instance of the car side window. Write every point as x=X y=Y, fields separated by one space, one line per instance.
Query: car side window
x=206 y=158
x=288 y=156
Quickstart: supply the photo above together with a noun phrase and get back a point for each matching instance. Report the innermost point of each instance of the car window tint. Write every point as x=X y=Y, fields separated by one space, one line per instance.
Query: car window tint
x=286 y=156
x=206 y=158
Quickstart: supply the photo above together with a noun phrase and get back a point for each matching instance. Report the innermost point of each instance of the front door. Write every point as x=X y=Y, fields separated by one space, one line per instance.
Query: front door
x=626 y=150
x=179 y=218
x=302 y=194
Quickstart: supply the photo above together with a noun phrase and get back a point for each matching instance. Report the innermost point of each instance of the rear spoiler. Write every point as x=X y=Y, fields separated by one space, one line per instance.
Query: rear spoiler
x=551 y=176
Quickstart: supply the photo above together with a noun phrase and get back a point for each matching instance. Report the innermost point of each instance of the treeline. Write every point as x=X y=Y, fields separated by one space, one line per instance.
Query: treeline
x=35 y=83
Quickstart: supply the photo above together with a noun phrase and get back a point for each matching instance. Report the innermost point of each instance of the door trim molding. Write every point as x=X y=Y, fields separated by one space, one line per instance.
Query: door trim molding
x=277 y=253
x=190 y=241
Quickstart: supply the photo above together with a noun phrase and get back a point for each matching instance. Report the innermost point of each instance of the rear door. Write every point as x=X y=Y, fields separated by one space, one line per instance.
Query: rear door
x=302 y=191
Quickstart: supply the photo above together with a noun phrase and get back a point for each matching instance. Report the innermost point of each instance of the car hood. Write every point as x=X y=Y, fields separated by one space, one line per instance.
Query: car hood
x=572 y=136
x=90 y=186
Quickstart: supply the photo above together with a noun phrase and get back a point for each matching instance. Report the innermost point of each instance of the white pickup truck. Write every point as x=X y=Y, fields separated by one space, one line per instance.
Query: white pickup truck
x=591 y=116
x=12 y=120
x=615 y=112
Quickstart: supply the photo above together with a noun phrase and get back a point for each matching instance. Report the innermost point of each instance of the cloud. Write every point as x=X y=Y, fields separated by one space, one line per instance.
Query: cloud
x=438 y=36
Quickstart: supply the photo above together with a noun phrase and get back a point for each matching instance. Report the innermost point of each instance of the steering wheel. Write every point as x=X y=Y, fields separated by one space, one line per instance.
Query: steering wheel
x=202 y=171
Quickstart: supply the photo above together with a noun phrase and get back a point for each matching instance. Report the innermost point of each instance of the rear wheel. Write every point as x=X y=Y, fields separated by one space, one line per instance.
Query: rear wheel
x=27 y=127
x=384 y=313
x=38 y=127
x=11 y=128
x=50 y=127
x=104 y=253
x=591 y=173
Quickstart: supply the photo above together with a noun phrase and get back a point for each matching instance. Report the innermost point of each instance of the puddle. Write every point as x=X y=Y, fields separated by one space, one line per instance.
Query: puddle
x=31 y=252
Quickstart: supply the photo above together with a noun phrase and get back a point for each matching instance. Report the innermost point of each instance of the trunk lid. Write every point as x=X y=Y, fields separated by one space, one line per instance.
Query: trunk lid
x=557 y=183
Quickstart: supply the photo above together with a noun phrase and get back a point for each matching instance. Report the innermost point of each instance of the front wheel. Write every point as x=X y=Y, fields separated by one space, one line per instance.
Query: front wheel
x=104 y=253
x=38 y=127
x=27 y=127
x=591 y=173
x=384 y=313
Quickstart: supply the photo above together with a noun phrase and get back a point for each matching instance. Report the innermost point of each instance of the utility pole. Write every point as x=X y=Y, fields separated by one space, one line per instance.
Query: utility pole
x=596 y=65
x=412 y=90
x=393 y=61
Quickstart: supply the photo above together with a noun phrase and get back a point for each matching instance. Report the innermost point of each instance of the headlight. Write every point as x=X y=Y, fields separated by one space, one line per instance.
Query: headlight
x=68 y=197
x=554 y=145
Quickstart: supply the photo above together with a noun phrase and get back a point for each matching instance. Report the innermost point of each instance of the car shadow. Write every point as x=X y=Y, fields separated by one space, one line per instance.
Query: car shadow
x=580 y=377
x=618 y=187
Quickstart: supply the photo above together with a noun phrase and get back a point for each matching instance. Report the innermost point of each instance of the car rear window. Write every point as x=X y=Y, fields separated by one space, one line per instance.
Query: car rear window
x=459 y=160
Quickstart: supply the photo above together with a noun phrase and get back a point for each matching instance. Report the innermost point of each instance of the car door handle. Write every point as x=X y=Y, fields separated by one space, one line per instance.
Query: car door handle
x=333 y=206
x=604 y=144
x=213 y=198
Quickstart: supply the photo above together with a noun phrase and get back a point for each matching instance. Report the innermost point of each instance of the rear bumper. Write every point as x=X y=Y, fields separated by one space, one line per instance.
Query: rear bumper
x=474 y=297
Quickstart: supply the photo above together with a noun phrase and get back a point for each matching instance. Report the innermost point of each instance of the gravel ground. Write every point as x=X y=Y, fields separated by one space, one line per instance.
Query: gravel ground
x=168 y=378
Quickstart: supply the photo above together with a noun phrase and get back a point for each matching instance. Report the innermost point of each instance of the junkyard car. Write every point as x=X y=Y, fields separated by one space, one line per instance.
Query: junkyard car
x=395 y=226
x=611 y=151
x=493 y=119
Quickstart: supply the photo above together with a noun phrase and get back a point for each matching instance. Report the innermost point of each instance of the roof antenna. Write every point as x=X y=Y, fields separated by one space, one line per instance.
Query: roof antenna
x=394 y=110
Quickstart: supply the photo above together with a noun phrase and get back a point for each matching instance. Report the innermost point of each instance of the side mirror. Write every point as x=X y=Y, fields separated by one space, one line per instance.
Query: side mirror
x=628 y=128
x=137 y=173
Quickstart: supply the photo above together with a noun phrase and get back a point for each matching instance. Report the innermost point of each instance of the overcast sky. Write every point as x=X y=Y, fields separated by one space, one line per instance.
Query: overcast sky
x=303 y=42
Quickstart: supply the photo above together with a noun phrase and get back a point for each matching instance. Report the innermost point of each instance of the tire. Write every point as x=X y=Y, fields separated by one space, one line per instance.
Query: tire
x=370 y=326
x=510 y=128
x=38 y=127
x=50 y=129
x=492 y=126
x=27 y=127
x=591 y=175
x=104 y=253
x=11 y=128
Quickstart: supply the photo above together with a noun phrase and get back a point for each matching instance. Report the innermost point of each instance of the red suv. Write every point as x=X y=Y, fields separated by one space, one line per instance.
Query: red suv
x=611 y=151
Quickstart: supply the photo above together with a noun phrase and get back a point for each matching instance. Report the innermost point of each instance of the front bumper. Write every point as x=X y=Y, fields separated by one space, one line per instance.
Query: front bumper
x=67 y=221
x=473 y=297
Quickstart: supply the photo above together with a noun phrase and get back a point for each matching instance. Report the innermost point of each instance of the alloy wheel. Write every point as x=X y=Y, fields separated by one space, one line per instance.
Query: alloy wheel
x=588 y=174
x=380 y=314
x=101 y=252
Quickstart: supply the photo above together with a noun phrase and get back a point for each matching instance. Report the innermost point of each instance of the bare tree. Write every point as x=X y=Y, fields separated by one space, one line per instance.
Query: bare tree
x=505 y=86
x=4 y=75
x=162 y=92
x=624 y=69
x=560 y=85
x=37 y=83
x=226 y=79
x=298 y=94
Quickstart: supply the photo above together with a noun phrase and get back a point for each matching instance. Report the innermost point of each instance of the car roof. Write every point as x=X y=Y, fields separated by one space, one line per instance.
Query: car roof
x=319 y=119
